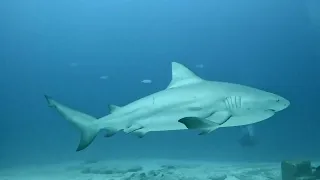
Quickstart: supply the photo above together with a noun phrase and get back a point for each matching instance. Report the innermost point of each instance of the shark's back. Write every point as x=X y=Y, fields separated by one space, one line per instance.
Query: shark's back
x=235 y=88
x=178 y=95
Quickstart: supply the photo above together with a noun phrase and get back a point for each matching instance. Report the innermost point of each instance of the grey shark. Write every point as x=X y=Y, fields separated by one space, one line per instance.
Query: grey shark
x=189 y=102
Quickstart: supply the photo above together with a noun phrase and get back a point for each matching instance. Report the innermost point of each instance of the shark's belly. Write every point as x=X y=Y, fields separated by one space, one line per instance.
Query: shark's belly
x=169 y=120
x=168 y=123
x=169 y=126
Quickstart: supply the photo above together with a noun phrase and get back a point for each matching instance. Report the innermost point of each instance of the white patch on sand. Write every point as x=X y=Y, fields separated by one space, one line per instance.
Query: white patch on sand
x=146 y=81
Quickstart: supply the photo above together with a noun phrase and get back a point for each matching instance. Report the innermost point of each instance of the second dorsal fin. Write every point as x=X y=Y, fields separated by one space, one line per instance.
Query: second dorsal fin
x=113 y=108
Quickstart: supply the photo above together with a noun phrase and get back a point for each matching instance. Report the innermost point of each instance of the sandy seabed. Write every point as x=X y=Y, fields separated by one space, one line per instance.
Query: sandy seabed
x=155 y=169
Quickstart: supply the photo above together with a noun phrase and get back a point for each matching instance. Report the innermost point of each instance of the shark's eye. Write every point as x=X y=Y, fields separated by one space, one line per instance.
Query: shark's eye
x=278 y=100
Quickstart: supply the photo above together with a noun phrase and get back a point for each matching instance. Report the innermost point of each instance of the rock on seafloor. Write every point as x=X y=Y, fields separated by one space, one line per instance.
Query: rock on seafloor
x=296 y=170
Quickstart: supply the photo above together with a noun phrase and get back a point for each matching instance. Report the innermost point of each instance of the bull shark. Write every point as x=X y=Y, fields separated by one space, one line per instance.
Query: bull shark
x=188 y=102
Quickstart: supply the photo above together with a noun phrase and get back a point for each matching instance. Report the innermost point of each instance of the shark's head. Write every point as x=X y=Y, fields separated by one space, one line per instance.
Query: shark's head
x=243 y=99
x=264 y=101
x=273 y=102
x=252 y=107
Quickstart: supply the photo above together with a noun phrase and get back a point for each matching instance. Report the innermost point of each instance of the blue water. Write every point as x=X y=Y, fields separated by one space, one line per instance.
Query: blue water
x=61 y=48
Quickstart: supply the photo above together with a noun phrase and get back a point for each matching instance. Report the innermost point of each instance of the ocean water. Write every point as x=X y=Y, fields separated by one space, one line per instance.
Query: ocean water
x=89 y=54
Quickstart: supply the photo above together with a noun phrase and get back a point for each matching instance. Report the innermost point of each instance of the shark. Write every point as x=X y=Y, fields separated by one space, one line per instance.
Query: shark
x=188 y=102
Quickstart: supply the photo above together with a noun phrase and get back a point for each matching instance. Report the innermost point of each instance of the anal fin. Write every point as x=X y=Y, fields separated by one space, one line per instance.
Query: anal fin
x=140 y=133
x=207 y=130
x=110 y=133
x=132 y=128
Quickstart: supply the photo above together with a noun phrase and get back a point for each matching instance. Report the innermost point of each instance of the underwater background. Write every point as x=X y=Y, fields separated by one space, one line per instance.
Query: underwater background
x=88 y=54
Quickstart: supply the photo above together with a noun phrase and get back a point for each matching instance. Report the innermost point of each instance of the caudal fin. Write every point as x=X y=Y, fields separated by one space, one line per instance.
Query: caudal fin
x=83 y=122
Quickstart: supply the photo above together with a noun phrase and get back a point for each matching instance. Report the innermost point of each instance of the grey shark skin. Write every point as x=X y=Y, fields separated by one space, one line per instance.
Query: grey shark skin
x=189 y=102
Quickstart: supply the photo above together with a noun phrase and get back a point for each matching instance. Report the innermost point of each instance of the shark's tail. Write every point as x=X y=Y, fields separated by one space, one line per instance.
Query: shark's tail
x=85 y=123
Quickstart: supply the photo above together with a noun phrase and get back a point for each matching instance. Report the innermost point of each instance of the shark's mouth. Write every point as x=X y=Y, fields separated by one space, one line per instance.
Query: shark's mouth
x=272 y=110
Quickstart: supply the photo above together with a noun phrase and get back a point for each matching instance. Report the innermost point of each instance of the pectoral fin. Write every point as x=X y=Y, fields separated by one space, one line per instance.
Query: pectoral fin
x=207 y=125
x=197 y=123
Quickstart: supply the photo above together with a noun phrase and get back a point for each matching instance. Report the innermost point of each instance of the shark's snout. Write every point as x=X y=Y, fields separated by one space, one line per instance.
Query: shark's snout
x=287 y=103
x=282 y=104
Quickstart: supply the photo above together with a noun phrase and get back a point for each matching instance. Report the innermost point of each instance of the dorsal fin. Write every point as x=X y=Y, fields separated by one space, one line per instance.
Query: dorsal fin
x=113 y=108
x=182 y=76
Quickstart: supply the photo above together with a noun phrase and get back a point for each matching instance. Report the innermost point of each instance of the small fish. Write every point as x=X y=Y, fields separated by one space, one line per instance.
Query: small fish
x=146 y=81
x=74 y=64
x=200 y=66
x=104 y=77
